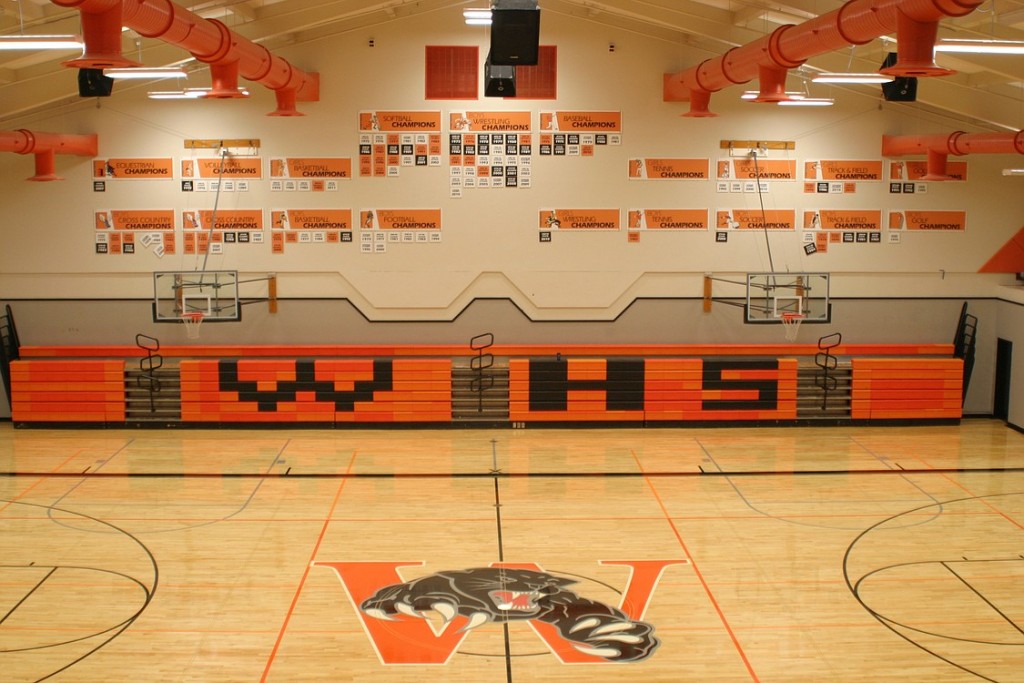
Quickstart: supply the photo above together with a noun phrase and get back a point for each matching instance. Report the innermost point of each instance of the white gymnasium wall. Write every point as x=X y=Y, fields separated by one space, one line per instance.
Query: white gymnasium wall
x=490 y=272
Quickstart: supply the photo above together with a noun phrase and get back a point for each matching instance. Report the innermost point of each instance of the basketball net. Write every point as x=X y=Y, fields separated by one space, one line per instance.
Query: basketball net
x=791 y=324
x=192 y=321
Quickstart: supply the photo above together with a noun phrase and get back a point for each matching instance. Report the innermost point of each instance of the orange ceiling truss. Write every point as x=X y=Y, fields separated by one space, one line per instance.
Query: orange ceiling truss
x=857 y=22
x=228 y=54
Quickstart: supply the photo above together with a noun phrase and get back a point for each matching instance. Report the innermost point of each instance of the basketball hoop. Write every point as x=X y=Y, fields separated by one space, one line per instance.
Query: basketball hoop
x=192 y=321
x=791 y=324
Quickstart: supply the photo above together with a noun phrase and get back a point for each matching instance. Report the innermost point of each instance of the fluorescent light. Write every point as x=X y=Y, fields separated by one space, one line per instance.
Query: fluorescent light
x=144 y=72
x=853 y=78
x=754 y=94
x=171 y=95
x=477 y=17
x=41 y=43
x=808 y=102
x=1013 y=171
x=186 y=94
x=1006 y=47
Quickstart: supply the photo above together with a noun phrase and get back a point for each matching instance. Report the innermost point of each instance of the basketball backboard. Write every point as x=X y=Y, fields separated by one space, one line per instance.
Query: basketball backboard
x=213 y=293
x=770 y=296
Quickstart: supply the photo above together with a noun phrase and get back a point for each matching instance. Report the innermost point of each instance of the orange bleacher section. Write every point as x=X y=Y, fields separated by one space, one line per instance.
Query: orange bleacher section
x=67 y=391
x=899 y=388
x=417 y=390
x=670 y=389
x=631 y=384
x=676 y=391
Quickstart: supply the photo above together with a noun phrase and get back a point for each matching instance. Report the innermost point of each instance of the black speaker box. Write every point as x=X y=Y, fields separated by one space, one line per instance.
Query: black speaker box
x=92 y=83
x=902 y=89
x=499 y=80
x=515 y=36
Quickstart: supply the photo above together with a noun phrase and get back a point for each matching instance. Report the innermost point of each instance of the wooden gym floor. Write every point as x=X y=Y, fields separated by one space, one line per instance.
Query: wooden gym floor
x=755 y=554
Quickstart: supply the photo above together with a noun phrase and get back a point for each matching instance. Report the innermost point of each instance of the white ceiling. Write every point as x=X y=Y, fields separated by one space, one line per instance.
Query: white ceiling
x=987 y=91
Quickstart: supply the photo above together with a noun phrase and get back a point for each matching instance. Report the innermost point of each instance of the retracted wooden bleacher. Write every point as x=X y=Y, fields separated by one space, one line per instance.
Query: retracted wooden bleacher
x=398 y=384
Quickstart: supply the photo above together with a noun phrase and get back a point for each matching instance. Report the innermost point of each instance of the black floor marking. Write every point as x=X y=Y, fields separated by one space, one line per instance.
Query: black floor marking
x=854 y=587
x=511 y=475
x=150 y=591
x=27 y=595
x=494 y=474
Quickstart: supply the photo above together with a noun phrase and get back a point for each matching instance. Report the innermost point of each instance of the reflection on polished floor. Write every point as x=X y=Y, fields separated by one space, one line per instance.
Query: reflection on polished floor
x=755 y=554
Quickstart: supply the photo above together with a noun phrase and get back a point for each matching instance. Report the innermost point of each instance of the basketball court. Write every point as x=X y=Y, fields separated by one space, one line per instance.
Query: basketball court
x=768 y=554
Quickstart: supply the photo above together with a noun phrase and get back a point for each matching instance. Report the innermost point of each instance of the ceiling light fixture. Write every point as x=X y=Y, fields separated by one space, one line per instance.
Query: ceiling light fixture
x=1013 y=171
x=791 y=94
x=186 y=94
x=145 y=72
x=808 y=102
x=172 y=95
x=853 y=78
x=23 y=42
x=1005 y=47
x=477 y=17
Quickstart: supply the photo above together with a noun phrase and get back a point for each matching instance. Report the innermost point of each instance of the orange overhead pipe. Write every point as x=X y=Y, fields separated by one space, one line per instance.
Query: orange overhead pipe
x=939 y=147
x=787 y=47
x=208 y=40
x=45 y=146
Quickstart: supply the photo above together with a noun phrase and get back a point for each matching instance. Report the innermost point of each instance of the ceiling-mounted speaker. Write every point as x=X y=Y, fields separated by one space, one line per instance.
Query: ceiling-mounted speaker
x=92 y=83
x=515 y=33
x=903 y=89
x=499 y=80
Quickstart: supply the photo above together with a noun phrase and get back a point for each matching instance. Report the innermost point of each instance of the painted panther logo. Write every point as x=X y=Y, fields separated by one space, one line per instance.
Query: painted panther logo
x=500 y=595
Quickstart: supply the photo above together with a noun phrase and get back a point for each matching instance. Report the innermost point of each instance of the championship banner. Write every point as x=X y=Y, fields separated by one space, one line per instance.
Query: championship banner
x=389 y=140
x=842 y=219
x=250 y=168
x=581 y=121
x=120 y=232
x=311 y=219
x=311 y=168
x=400 y=121
x=579 y=219
x=646 y=168
x=489 y=149
x=950 y=221
x=917 y=170
x=227 y=219
x=489 y=121
x=755 y=219
x=136 y=219
x=747 y=168
x=133 y=169
x=845 y=170
x=667 y=219
x=400 y=219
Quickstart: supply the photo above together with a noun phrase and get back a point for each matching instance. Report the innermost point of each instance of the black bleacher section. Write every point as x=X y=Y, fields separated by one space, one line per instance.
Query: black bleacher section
x=9 y=347
x=964 y=343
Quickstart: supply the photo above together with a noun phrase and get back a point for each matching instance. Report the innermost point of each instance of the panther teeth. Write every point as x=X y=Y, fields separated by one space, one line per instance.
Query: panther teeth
x=515 y=602
x=603 y=652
